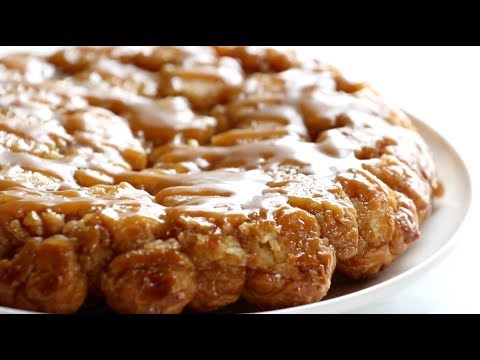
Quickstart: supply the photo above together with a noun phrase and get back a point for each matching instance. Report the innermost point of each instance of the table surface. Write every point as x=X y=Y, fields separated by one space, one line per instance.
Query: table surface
x=440 y=85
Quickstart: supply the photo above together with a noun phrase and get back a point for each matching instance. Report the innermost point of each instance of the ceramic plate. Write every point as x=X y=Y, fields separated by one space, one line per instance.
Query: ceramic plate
x=436 y=242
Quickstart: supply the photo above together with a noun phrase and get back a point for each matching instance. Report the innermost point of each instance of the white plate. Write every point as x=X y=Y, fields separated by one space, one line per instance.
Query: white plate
x=436 y=242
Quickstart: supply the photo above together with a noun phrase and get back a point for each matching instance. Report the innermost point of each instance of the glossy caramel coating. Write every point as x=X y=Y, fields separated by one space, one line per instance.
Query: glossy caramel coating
x=166 y=178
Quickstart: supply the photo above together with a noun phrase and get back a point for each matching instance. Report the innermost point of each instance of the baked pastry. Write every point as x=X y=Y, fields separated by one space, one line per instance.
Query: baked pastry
x=168 y=178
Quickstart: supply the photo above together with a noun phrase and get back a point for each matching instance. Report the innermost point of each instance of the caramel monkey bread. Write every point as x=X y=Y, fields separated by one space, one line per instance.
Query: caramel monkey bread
x=161 y=179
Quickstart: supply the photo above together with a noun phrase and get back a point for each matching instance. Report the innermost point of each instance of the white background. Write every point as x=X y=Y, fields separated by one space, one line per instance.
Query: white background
x=440 y=85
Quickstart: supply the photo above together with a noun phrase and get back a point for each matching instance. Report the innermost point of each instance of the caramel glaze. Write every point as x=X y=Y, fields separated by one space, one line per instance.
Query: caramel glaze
x=162 y=178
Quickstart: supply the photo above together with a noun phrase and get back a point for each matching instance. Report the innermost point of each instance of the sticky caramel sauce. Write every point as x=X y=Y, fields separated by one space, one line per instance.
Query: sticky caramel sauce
x=294 y=121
